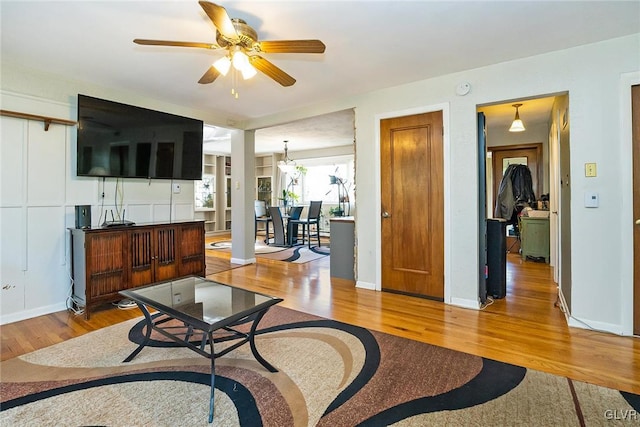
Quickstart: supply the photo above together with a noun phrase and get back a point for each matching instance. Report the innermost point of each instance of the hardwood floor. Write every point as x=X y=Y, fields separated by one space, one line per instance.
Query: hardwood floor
x=525 y=328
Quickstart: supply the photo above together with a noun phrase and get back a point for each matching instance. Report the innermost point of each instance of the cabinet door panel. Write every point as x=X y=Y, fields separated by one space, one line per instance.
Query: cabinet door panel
x=165 y=262
x=141 y=255
x=192 y=249
x=105 y=263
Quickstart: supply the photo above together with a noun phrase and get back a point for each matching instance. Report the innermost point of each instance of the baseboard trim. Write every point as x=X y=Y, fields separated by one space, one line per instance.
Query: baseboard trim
x=366 y=285
x=28 y=314
x=243 y=261
x=593 y=325
x=465 y=303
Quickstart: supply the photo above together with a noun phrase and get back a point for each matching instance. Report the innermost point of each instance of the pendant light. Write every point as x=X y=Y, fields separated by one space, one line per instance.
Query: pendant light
x=517 y=125
x=287 y=165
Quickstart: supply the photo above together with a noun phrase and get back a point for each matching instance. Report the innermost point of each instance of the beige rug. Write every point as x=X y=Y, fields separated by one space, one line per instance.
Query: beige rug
x=330 y=374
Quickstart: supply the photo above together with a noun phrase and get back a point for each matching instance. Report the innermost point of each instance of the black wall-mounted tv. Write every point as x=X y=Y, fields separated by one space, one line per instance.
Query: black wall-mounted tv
x=119 y=140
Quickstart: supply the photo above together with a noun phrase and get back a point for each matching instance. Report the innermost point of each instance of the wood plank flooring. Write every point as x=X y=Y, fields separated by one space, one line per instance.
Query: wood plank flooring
x=524 y=328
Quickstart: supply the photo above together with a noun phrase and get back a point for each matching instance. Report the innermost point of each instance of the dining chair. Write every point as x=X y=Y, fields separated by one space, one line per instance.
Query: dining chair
x=261 y=217
x=278 y=226
x=292 y=225
x=313 y=218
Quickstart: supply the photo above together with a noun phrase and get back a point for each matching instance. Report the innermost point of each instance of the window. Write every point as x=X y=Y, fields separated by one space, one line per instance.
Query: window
x=205 y=192
x=317 y=184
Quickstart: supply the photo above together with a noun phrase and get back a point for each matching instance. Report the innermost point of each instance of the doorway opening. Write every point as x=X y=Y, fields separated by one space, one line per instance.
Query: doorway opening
x=536 y=236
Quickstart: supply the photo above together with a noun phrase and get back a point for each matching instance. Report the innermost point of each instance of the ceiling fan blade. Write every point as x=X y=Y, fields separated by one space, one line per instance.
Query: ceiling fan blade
x=272 y=71
x=147 y=42
x=291 y=46
x=220 y=19
x=209 y=76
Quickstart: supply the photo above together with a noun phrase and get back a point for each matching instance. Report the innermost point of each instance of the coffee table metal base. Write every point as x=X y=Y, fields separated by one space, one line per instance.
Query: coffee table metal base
x=188 y=332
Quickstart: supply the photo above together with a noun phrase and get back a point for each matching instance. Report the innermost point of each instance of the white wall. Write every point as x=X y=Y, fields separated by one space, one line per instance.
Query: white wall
x=591 y=75
x=39 y=191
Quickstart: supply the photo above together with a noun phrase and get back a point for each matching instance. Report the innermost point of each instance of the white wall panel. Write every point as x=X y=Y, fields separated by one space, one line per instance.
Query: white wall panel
x=48 y=283
x=161 y=212
x=183 y=211
x=46 y=164
x=12 y=254
x=139 y=212
x=11 y=160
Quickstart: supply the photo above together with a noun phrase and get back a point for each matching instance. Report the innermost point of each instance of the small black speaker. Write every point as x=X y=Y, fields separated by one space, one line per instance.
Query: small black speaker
x=83 y=216
x=497 y=257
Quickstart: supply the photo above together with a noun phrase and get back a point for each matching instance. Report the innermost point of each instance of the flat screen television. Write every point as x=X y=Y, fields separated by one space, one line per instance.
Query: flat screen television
x=119 y=140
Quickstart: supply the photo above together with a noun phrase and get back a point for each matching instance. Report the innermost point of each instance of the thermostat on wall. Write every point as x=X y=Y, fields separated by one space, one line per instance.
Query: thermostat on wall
x=591 y=200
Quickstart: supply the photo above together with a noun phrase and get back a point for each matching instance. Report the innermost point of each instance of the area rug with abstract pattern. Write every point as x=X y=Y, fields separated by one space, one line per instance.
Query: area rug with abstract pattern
x=297 y=254
x=329 y=374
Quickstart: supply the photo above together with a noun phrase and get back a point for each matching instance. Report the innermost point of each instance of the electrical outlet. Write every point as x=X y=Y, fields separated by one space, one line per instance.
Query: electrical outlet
x=177 y=299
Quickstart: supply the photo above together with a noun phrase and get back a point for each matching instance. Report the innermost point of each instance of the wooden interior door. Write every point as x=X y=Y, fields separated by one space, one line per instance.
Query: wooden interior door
x=635 y=123
x=412 y=186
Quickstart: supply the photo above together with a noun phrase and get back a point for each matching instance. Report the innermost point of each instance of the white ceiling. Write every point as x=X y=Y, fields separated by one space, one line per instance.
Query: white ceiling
x=369 y=45
x=324 y=131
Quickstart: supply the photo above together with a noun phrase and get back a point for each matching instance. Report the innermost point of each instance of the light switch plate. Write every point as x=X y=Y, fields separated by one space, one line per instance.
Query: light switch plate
x=590 y=170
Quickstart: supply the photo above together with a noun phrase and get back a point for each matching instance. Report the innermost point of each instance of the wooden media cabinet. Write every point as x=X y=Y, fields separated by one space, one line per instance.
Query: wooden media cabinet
x=113 y=259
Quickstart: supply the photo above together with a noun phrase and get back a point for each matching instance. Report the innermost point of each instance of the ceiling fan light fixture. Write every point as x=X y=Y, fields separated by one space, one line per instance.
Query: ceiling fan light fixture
x=517 y=125
x=241 y=63
x=239 y=39
x=222 y=65
x=240 y=60
x=248 y=72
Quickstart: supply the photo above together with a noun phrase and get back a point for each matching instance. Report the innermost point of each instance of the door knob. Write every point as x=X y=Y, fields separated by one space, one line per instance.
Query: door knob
x=386 y=214
x=637 y=221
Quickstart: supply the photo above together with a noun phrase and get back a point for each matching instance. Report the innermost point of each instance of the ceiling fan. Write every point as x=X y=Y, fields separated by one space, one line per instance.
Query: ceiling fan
x=243 y=48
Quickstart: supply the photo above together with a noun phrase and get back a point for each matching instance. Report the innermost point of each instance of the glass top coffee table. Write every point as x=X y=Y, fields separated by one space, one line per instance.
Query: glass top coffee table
x=193 y=309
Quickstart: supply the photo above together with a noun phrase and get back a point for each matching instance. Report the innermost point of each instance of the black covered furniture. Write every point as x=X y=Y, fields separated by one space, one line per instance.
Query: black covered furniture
x=496 y=257
x=313 y=218
x=515 y=192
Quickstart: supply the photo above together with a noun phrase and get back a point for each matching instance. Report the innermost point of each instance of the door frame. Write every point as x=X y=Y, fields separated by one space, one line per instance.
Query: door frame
x=627 y=80
x=446 y=140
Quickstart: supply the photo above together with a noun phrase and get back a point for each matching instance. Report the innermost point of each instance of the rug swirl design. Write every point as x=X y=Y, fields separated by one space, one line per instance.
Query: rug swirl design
x=330 y=374
x=297 y=254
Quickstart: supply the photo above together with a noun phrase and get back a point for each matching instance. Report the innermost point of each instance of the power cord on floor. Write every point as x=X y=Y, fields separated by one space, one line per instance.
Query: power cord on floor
x=75 y=305
x=561 y=306
x=487 y=303
x=125 y=304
